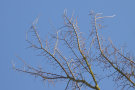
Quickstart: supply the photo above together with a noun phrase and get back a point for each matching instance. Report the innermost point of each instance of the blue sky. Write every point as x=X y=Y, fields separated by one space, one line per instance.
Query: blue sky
x=16 y=16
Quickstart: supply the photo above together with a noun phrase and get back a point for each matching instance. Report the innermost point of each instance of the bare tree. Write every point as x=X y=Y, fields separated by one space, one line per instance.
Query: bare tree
x=82 y=60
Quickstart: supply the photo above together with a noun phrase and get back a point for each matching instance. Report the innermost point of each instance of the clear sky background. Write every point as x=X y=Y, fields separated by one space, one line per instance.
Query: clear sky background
x=16 y=16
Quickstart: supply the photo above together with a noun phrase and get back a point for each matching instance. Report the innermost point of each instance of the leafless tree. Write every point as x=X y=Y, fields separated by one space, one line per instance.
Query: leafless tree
x=82 y=60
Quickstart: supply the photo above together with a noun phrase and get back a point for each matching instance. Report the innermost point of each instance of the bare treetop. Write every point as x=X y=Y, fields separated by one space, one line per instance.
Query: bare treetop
x=79 y=58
